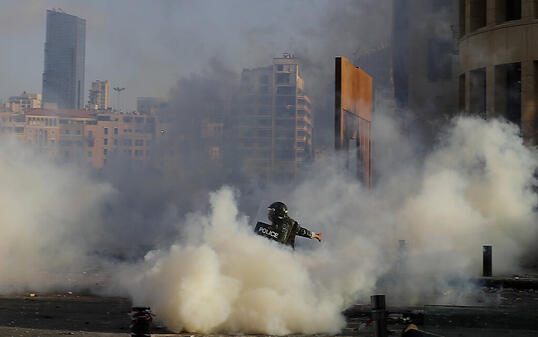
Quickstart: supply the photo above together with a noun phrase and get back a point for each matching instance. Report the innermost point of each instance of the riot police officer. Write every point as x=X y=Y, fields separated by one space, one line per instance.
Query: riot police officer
x=286 y=227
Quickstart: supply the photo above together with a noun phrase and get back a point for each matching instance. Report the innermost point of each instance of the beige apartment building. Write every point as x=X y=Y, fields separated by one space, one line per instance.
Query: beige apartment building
x=128 y=136
x=86 y=136
x=498 y=73
x=12 y=124
x=150 y=105
x=22 y=103
x=60 y=135
x=274 y=120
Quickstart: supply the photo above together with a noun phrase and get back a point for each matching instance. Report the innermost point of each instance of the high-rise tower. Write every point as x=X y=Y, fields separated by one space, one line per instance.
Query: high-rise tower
x=65 y=48
x=274 y=120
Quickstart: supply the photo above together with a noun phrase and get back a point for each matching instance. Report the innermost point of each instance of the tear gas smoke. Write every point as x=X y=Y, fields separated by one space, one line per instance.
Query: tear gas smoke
x=50 y=219
x=224 y=278
x=474 y=188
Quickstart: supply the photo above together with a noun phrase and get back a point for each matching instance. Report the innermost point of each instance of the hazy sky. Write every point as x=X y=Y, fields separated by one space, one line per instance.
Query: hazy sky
x=146 y=46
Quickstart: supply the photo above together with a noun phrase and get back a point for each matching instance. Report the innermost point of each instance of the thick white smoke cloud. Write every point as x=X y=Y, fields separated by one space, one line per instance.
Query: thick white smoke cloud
x=225 y=278
x=49 y=220
x=474 y=188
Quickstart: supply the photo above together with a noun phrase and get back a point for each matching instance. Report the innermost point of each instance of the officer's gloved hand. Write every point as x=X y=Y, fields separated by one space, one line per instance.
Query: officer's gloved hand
x=317 y=236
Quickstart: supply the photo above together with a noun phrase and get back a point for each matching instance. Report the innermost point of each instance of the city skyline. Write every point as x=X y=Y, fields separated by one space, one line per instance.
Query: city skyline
x=167 y=42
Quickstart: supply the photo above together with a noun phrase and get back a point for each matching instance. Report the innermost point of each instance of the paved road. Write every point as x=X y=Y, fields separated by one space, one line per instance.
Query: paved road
x=515 y=314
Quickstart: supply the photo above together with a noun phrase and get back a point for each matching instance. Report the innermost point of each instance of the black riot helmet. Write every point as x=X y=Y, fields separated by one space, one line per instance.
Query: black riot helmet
x=277 y=211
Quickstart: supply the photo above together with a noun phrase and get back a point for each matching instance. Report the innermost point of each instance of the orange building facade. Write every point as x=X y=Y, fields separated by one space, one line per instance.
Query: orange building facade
x=353 y=116
x=86 y=135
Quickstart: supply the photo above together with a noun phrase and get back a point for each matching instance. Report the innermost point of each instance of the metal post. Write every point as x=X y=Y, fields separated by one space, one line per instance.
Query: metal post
x=141 y=318
x=486 y=260
x=378 y=315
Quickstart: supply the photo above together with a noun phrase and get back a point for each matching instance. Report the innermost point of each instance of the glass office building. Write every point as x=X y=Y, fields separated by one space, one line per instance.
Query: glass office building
x=63 y=77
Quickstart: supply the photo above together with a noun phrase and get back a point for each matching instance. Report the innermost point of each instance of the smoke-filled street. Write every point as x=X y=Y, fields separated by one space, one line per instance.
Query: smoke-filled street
x=236 y=167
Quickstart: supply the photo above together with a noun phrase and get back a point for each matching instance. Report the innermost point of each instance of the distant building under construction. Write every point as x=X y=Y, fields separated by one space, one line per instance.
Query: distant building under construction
x=274 y=120
x=99 y=96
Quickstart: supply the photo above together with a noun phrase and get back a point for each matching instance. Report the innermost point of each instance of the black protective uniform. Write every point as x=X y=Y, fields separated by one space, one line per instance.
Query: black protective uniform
x=283 y=229
x=287 y=229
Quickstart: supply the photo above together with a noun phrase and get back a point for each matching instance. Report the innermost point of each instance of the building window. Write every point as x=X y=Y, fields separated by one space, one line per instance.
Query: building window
x=285 y=111
x=89 y=153
x=280 y=67
x=106 y=131
x=513 y=10
x=478 y=14
x=139 y=142
x=67 y=131
x=507 y=10
x=116 y=131
x=439 y=59
x=115 y=141
x=90 y=134
x=288 y=101
x=478 y=92
x=283 y=78
x=264 y=110
x=105 y=141
x=105 y=151
x=508 y=91
x=285 y=154
x=264 y=133
x=264 y=122
x=285 y=90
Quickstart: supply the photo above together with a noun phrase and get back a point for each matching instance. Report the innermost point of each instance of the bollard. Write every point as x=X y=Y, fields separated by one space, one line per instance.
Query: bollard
x=486 y=261
x=378 y=315
x=141 y=318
